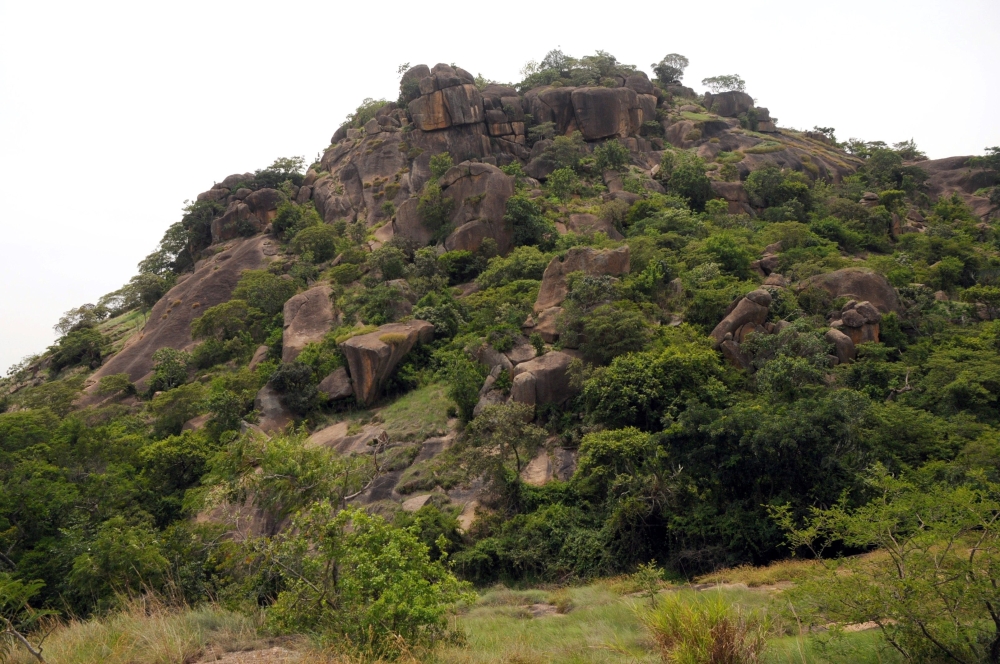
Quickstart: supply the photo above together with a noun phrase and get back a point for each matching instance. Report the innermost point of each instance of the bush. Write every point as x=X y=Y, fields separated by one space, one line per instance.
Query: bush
x=84 y=347
x=169 y=369
x=612 y=156
x=116 y=385
x=360 y=583
x=525 y=217
x=772 y=187
x=706 y=629
x=319 y=240
x=264 y=291
x=441 y=309
x=363 y=113
x=434 y=209
x=294 y=381
x=228 y=320
x=440 y=163
x=562 y=183
x=686 y=178
x=521 y=263
x=344 y=273
x=461 y=266
x=291 y=218
x=464 y=378
x=389 y=261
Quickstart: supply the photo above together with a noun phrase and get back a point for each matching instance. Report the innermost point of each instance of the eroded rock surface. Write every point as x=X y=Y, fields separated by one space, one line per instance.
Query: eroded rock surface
x=372 y=357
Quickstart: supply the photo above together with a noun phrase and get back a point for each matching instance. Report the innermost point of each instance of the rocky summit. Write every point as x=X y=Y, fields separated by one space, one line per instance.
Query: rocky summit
x=593 y=323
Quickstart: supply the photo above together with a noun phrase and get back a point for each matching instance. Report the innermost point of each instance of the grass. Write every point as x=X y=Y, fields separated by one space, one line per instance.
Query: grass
x=697 y=117
x=146 y=632
x=782 y=571
x=765 y=148
x=417 y=415
x=600 y=622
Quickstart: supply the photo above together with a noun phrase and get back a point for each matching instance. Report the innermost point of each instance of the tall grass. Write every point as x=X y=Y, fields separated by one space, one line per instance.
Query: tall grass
x=147 y=631
x=706 y=630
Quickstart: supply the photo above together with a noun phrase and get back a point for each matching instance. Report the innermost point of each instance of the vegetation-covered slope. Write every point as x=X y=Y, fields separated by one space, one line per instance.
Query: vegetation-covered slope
x=545 y=332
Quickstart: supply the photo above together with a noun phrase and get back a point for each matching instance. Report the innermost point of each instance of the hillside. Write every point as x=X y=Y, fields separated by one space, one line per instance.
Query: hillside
x=587 y=325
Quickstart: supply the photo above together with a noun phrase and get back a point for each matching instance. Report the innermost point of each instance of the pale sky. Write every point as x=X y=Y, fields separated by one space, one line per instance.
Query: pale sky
x=112 y=114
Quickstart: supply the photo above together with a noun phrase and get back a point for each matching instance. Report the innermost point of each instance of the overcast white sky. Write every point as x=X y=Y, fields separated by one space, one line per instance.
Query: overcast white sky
x=112 y=114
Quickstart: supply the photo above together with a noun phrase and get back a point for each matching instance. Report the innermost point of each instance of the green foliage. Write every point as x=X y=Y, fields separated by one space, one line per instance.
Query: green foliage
x=521 y=263
x=670 y=69
x=375 y=305
x=169 y=369
x=562 y=183
x=84 y=347
x=174 y=407
x=116 y=385
x=320 y=240
x=442 y=310
x=708 y=629
x=264 y=291
x=389 y=261
x=647 y=389
x=440 y=163
x=464 y=378
x=565 y=151
x=771 y=187
x=229 y=320
x=434 y=209
x=525 y=217
x=612 y=155
x=461 y=266
x=502 y=442
x=297 y=386
x=932 y=590
x=725 y=83
x=363 y=113
x=683 y=174
x=355 y=580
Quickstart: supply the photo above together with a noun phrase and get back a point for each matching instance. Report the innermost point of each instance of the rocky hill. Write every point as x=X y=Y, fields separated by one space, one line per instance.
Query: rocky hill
x=584 y=321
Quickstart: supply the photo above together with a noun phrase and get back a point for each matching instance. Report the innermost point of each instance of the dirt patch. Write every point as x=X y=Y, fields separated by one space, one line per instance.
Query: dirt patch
x=276 y=655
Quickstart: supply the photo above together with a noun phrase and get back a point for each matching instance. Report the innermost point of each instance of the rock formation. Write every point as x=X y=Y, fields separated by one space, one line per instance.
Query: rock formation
x=308 y=316
x=372 y=357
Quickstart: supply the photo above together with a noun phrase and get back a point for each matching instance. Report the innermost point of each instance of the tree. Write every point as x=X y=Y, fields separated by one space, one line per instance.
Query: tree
x=294 y=381
x=86 y=315
x=17 y=617
x=355 y=578
x=502 y=441
x=169 y=369
x=611 y=156
x=934 y=591
x=228 y=320
x=434 y=209
x=264 y=291
x=686 y=178
x=440 y=163
x=725 y=83
x=319 y=240
x=670 y=69
x=80 y=347
x=525 y=217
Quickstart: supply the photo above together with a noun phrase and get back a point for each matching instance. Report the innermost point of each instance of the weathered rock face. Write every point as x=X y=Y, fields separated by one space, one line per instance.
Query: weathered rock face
x=842 y=344
x=446 y=99
x=236 y=220
x=857 y=283
x=614 y=262
x=586 y=224
x=859 y=321
x=337 y=385
x=274 y=416
x=542 y=380
x=748 y=314
x=952 y=175
x=728 y=104
x=606 y=112
x=480 y=192
x=308 y=316
x=169 y=322
x=371 y=360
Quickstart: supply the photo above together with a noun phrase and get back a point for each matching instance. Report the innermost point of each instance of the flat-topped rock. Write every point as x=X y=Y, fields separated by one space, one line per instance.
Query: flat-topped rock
x=372 y=357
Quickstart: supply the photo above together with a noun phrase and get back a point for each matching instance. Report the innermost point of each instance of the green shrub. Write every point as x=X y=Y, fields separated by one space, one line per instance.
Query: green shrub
x=264 y=291
x=562 y=183
x=363 y=113
x=169 y=369
x=525 y=217
x=228 y=320
x=441 y=309
x=460 y=266
x=440 y=163
x=612 y=156
x=434 y=210
x=344 y=273
x=84 y=347
x=521 y=263
x=464 y=378
x=291 y=218
x=320 y=240
x=360 y=583
x=389 y=261
x=706 y=629
x=116 y=385
x=295 y=382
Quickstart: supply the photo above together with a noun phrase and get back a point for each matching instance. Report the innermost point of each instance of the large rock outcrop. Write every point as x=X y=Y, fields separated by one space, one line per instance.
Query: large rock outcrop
x=953 y=175
x=169 y=322
x=372 y=357
x=857 y=283
x=553 y=291
x=728 y=104
x=542 y=380
x=308 y=316
x=480 y=193
x=749 y=314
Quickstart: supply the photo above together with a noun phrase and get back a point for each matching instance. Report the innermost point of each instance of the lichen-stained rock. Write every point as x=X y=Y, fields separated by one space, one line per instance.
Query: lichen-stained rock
x=331 y=201
x=169 y=322
x=639 y=82
x=372 y=357
x=480 y=193
x=553 y=291
x=549 y=378
x=308 y=316
x=857 y=283
x=604 y=112
x=408 y=224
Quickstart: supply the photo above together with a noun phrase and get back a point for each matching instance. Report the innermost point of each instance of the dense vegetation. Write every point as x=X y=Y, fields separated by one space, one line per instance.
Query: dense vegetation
x=683 y=460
